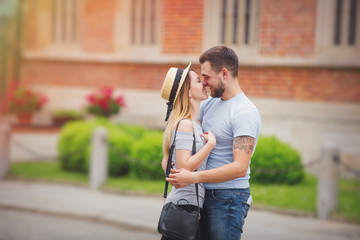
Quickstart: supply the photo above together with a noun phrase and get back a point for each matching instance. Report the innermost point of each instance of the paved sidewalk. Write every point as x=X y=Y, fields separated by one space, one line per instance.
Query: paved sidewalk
x=141 y=213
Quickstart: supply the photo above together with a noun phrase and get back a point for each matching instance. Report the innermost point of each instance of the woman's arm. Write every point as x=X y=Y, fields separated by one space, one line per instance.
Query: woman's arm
x=184 y=159
x=243 y=147
x=164 y=164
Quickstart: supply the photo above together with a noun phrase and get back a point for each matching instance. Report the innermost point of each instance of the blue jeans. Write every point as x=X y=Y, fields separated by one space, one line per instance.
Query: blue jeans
x=225 y=211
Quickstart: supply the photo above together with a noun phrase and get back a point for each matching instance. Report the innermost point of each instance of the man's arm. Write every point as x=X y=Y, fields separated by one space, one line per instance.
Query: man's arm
x=243 y=147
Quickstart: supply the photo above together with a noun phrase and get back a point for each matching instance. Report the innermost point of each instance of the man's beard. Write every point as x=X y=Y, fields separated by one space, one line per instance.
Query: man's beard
x=218 y=91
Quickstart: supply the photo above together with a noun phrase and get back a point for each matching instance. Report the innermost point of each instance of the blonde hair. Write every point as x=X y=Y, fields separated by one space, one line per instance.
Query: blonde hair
x=181 y=109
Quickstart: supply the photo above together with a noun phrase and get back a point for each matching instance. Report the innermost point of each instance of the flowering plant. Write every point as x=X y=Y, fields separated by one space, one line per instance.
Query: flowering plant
x=102 y=102
x=21 y=100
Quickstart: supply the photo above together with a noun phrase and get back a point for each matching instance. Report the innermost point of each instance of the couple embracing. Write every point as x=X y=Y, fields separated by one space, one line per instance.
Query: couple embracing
x=224 y=130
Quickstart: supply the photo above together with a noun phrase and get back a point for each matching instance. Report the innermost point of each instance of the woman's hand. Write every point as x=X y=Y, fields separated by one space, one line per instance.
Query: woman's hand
x=209 y=138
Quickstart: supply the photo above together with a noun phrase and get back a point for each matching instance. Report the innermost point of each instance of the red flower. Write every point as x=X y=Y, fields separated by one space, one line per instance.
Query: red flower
x=107 y=91
x=21 y=100
x=120 y=100
x=102 y=102
x=91 y=98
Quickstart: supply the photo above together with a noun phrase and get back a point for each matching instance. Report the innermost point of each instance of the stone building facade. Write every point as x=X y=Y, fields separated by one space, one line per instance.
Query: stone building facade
x=299 y=59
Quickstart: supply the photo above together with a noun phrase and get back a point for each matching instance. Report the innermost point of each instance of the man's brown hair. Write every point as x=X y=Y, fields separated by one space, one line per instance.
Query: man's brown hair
x=221 y=57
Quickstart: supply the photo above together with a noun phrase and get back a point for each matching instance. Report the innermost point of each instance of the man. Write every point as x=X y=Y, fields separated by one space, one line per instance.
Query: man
x=235 y=121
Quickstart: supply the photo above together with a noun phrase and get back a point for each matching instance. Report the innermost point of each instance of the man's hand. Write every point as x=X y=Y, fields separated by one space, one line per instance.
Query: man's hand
x=181 y=178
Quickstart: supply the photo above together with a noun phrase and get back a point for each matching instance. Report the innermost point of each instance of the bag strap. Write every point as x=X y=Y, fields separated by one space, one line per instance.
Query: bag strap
x=196 y=185
x=168 y=166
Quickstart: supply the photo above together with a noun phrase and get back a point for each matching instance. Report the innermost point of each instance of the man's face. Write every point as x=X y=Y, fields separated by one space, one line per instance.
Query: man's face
x=212 y=80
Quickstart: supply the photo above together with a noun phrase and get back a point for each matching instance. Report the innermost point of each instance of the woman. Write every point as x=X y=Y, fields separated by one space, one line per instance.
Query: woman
x=184 y=90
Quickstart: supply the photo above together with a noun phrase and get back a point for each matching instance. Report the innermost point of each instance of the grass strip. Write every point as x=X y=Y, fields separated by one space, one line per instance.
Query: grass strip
x=300 y=197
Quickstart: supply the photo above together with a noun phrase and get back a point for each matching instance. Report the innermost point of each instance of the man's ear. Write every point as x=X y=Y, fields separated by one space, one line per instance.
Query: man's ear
x=225 y=73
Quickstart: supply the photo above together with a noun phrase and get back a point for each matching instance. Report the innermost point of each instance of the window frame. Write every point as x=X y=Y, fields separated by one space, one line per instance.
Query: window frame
x=60 y=31
x=326 y=51
x=133 y=44
x=213 y=26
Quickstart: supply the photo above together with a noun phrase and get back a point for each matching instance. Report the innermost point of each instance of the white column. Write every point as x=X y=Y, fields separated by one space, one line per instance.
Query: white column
x=328 y=183
x=98 y=158
x=5 y=134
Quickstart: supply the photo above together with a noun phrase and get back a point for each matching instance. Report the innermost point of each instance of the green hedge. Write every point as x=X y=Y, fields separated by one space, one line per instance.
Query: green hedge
x=275 y=162
x=138 y=151
x=75 y=145
x=149 y=150
x=131 y=148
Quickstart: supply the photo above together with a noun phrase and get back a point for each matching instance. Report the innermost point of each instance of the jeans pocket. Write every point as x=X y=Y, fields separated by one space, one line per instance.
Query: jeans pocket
x=222 y=196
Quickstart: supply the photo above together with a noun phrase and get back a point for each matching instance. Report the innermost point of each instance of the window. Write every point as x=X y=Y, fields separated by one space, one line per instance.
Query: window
x=238 y=22
x=338 y=32
x=345 y=22
x=65 y=21
x=144 y=22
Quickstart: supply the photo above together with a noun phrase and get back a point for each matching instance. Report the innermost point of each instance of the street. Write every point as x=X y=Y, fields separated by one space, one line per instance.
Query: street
x=20 y=225
x=39 y=210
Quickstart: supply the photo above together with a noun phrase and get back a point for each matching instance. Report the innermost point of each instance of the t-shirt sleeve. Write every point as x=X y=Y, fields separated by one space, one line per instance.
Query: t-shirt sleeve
x=184 y=140
x=245 y=123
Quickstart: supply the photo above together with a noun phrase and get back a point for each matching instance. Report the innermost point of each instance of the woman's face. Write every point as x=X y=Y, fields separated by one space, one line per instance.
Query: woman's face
x=197 y=89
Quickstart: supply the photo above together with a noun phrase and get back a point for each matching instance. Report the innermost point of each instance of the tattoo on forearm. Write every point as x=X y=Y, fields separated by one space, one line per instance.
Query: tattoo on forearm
x=245 y=143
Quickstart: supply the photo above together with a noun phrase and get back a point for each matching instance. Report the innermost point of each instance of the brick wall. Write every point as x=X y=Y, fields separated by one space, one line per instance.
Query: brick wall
x=304 y=84
x=98 y=25
x=183 y=26
x=142 y=76
x=287 y=28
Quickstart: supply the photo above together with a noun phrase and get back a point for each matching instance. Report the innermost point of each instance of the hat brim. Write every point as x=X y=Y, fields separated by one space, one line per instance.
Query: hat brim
x=182 y=80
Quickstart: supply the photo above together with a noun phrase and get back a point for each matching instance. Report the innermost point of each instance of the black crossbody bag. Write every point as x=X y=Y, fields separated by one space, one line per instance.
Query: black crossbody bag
x=175 y=222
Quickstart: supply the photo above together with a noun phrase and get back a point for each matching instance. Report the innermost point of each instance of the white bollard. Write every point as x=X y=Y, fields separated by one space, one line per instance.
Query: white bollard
x=5 y=134
x=328 y=182
x=98 y=158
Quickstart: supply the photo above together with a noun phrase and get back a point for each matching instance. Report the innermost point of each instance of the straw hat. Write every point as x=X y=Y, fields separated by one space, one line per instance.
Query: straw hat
x=172 y=84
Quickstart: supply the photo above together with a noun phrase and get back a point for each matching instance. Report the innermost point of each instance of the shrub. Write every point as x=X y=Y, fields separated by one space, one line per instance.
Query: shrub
x=120 y=144
x=275 y=162
x=131 y=148
x=75 y=146
x=62 y=116
x=135 y=131
x=148 y=154
x=73 y=114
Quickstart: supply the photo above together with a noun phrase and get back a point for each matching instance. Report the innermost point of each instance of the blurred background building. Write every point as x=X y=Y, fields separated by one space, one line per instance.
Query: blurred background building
x=299 y=59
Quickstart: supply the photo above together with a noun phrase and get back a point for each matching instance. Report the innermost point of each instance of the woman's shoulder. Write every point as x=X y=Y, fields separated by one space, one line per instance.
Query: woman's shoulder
x=186 y=125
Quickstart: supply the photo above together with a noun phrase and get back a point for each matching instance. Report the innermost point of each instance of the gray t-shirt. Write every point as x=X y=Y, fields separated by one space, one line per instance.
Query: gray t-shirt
x=235 y=117
x=187 y=195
